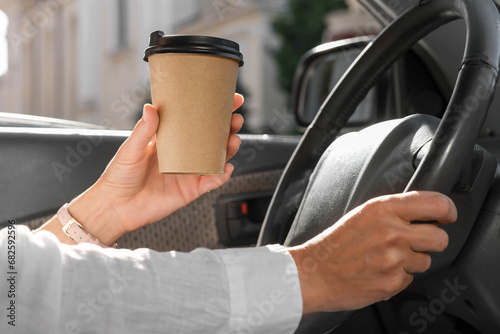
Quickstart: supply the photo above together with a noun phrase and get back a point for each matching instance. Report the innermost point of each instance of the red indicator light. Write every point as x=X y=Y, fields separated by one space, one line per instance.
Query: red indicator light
x=244 y=208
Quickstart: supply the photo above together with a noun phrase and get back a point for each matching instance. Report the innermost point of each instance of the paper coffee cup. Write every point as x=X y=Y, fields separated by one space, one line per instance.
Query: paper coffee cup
x=193 y=81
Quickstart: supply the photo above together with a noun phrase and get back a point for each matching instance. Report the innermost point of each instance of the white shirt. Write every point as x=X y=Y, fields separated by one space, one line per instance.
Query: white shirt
x=57 y=288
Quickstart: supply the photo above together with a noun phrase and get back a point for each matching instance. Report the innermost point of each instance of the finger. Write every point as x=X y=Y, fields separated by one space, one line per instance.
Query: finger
x=238 y=101
x=418 y=263
x=236 y=123
x=427 y=238
x=233 y=145
x=423 y=205
x=143 y=132
x=211 y=182
x=153 y=142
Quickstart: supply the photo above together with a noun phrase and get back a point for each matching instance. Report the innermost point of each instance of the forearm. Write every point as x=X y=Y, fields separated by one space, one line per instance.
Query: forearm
x=215 y=291
x=94 y=213
x=86 y=211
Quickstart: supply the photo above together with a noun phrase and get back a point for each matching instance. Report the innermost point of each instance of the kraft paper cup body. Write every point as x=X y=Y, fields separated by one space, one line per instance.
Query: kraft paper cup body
x=194 y=95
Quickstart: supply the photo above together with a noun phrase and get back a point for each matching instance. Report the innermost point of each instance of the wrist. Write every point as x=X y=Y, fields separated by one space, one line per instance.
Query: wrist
x=97 y=216
x=299 y=256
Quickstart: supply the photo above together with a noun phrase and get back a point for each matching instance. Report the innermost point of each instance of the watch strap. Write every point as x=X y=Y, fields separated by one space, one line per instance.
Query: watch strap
x=75 y=230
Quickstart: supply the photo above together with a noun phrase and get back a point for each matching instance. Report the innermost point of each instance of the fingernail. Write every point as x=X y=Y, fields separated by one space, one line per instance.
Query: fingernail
x=144 y=114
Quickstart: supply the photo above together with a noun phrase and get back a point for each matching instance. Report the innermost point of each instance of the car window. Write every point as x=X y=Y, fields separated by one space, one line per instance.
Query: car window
x=4 y=22
x=82 y=61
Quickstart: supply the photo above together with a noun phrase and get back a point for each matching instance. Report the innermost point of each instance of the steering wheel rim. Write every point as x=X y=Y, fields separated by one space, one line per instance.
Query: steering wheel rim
x=454 y=138
x=465 y=113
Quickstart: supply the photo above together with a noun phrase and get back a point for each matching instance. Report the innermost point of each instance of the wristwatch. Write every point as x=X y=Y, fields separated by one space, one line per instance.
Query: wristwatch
x=75 y=230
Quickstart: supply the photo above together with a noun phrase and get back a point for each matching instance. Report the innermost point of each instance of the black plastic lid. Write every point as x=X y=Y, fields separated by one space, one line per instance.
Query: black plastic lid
x=159 y=43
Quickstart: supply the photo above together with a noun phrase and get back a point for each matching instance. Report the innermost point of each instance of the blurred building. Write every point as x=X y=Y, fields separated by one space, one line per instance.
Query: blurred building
x=82 y=59
x=351 y=22
x=248 y=23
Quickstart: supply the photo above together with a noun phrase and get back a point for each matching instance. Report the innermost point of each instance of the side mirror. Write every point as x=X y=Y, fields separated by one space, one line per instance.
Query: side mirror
x=319 y=70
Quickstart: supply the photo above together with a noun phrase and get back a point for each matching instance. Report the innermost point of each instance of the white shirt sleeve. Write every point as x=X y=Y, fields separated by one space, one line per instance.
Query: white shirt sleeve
x=49 y=287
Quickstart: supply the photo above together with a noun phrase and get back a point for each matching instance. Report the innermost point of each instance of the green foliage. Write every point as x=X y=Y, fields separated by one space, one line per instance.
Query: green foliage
x=300 y=30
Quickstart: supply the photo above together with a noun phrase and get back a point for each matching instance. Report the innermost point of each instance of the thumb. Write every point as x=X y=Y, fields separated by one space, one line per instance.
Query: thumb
x=143 y=132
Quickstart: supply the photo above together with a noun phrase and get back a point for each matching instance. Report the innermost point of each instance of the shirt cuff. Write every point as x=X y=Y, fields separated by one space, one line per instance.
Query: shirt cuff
x=264 y=286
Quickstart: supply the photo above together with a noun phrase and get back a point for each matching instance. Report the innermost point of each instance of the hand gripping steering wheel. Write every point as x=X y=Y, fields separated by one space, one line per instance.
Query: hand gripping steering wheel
x=453 y=138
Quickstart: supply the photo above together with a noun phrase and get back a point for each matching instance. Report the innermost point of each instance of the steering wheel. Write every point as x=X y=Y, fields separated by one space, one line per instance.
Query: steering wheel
x=453 y=138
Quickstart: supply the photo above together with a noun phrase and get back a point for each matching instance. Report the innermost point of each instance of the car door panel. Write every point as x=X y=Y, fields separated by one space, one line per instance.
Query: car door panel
x=44 y=168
